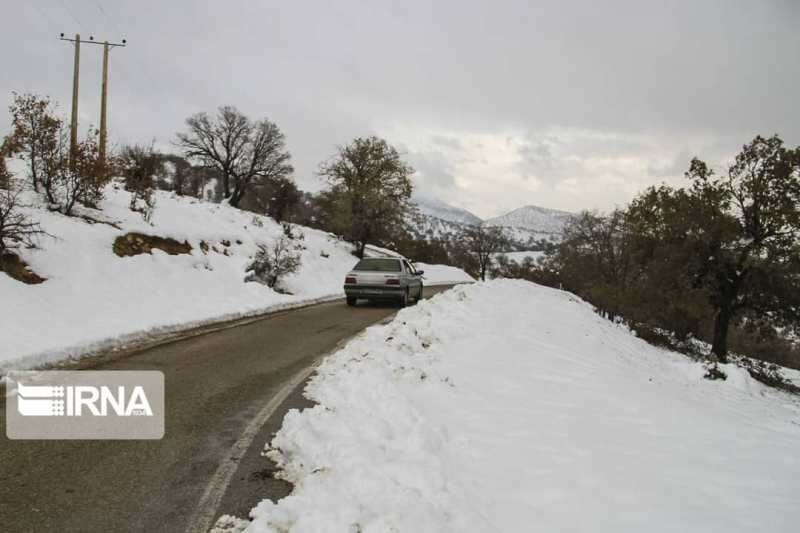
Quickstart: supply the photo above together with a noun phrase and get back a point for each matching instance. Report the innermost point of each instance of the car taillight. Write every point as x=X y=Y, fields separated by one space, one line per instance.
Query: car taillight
x=349 y=281
x=391 y=281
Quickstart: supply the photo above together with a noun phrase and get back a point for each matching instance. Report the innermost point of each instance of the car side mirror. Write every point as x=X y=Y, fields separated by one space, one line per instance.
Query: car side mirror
x=419 y=272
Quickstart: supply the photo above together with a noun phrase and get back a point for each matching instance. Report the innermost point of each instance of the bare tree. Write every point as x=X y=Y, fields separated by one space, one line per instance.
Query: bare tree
x=482 y=243
x=370 y=190
x=244 y=152
x=16 y=228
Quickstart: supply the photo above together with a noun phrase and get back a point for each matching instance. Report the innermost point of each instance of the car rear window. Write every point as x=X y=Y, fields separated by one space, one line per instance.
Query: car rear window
x=378 y=265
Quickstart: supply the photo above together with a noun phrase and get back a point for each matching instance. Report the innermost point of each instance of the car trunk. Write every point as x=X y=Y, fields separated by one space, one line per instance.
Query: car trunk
x=373 y=278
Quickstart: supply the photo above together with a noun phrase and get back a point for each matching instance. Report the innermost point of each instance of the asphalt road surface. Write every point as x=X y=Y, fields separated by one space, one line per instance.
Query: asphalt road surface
x=217 y=387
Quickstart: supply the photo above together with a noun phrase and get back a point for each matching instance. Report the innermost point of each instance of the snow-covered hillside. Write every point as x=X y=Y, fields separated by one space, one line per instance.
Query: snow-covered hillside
x=533 y=223
x=93 y=299
x=437 y=220
x=433 y=207
x=507 y=406
x=534 y=218
x=429 y=227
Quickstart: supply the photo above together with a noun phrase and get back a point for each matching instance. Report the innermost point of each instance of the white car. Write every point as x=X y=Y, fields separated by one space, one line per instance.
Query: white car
x=381 y=278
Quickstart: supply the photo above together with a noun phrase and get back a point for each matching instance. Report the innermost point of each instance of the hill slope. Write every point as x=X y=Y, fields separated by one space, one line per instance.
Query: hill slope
x=432 y=207
x=93 y=299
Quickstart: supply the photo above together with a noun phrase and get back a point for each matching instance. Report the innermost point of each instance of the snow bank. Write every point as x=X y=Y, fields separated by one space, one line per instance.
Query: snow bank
x=443 y=274
x=94 y=300
x=506 y=406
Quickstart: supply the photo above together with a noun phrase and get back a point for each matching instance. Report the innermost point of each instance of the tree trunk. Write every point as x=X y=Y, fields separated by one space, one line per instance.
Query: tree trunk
x=361 y=247
x=226 y=185
x=236 y=197
x=34 y=173
x=719 y=345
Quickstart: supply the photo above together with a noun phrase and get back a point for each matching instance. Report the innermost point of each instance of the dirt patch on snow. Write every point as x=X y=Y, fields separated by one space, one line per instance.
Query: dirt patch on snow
x=11 y=264
x=132 y=244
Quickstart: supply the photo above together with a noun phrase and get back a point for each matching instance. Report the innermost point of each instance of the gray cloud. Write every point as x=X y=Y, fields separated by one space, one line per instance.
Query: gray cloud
x=434 y=172
x=637 y=85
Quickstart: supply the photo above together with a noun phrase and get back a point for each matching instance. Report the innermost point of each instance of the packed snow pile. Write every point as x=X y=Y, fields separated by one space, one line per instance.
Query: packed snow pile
x=442 y=274
x=507 y=406
x=94 y=299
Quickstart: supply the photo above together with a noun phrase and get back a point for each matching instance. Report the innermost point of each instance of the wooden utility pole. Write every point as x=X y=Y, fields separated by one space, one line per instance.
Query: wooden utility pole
x=73 y=134
x=103 y=99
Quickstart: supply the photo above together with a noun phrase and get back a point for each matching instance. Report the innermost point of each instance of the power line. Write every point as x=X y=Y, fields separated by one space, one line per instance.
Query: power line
x=69 y=11
x=139 y=69
x=108 y=18
x=43 y=14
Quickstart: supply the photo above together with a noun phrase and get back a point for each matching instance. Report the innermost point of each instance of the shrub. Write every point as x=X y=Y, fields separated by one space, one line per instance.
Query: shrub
x=42 y=140
x=80 y=180
x=139 y=166
x=34 y=133
x=272 y=263
x=16 y=228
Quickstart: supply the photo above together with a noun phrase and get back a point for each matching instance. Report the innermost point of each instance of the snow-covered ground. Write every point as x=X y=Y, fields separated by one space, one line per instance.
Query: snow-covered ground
x=442 y=274
x=93 y=299
x=507 y=406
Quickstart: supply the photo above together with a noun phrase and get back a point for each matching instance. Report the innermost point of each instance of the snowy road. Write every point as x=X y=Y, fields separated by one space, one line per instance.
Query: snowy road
x=215 y=385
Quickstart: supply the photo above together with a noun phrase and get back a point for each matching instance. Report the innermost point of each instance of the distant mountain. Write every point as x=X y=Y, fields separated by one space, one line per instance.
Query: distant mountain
x=534 y=218
x=432 y=207
x=526 y=226
x=533 y=223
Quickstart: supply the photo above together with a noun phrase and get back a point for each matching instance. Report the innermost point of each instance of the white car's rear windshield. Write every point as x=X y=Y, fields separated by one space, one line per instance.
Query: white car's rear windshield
x=378 y=265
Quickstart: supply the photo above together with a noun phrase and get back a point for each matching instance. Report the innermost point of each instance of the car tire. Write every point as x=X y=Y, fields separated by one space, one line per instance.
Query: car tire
x=404 y=299
x=419 y=294
x=351 y=301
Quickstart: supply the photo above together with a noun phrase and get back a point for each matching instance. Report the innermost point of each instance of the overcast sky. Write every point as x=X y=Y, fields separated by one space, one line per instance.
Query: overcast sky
x=497 y=104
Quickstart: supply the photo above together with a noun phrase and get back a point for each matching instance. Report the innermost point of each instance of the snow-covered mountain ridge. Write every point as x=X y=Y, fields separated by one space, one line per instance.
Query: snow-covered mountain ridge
x=533 y=218
x=431 y=207
x=524 y=226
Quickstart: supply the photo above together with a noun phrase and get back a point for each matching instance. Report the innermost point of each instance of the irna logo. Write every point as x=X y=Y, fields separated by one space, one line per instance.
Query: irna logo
x=85 y=404
x=68 y=400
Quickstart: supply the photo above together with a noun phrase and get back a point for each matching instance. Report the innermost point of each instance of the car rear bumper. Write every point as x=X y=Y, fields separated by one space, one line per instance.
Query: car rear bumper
x=374 y=291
